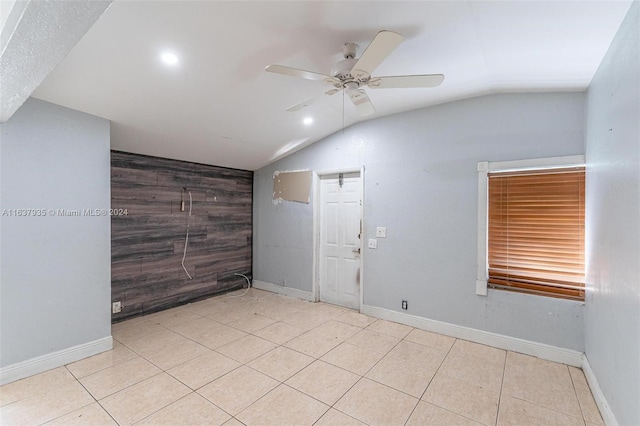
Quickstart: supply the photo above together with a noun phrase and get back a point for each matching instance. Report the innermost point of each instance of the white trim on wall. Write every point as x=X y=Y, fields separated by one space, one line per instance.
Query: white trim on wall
x=540 y=350
x=52 y=360
x=483 y=168
x=362 y=228
x=315 y=289
x=481 y=273
x=286 y=291
x=606 y=412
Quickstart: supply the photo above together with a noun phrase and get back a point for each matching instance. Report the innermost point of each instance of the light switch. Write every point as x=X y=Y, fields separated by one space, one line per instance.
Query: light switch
x=373 y=243
x=381 y=232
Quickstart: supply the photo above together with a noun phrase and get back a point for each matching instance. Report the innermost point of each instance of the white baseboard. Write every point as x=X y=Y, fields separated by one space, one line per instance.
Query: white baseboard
x=540 y=350
x=287 y=291
x=52 y=360
x=607 y=415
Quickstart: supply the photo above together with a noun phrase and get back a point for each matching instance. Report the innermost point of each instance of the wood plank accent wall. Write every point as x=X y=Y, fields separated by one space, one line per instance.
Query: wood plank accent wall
x=147 y=244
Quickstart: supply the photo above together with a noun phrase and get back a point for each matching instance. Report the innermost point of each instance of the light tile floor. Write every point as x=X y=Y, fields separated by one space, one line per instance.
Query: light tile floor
x=266 y=359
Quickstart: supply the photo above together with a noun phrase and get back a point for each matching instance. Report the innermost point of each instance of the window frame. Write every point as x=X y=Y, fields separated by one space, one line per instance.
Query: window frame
x=483 y=169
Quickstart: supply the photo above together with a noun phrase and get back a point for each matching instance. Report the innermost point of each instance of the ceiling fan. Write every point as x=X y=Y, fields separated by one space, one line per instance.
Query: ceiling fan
x=351 y=73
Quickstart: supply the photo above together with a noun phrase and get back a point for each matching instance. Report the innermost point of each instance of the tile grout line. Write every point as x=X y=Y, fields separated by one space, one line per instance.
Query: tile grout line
x=431 y=380
x=504 y=371
x=332 y=406
x=162 y=370
x=438 y=369
x=279 y=381
x=575 y=391
x=546 y=408
x=549 y=408
x=90 y=394
x=195 y=391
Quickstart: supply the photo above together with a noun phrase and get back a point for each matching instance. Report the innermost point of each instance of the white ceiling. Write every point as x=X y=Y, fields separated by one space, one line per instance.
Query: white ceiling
x=218 y=106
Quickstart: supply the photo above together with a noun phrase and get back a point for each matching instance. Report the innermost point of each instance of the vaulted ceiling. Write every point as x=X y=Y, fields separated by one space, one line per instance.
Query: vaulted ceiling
x=217 y=105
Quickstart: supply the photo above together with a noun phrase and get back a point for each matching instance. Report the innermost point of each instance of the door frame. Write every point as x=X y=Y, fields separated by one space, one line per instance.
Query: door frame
x=317 y=176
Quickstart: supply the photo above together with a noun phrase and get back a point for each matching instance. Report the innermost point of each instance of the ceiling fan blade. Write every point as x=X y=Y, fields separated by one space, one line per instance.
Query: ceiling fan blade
x=406 y=81
x=361 y=101
x=380 y=47
x=294 y=72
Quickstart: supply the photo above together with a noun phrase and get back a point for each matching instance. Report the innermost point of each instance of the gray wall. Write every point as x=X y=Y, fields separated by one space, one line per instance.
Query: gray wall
x=421 y=183
x=612 y=313
x=55 y=271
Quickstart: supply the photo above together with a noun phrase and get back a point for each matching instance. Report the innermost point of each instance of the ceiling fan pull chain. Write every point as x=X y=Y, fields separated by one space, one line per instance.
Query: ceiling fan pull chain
x=343 y=111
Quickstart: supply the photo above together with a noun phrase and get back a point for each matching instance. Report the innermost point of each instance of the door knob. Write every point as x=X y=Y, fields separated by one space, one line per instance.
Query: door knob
x=356 y=251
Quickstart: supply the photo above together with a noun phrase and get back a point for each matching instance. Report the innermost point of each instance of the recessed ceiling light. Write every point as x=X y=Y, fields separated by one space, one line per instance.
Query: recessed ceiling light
x=169 y=58
x=308 y=121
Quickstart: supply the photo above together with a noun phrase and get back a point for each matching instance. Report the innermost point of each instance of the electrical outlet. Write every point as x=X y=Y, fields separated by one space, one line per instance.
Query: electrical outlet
x=381 y=232
x=116 y=307
x=373 y=243
x=405 y=306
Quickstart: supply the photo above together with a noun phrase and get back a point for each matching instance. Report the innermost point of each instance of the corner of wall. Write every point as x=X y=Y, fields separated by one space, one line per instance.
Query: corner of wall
x=601 y=401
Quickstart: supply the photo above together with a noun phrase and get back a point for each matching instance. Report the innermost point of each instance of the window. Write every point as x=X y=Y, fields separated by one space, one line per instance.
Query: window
x=533 y=228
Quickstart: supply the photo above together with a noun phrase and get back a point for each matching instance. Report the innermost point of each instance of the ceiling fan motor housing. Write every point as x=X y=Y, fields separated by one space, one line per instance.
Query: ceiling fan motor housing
x=349 y=50
x=342 y=69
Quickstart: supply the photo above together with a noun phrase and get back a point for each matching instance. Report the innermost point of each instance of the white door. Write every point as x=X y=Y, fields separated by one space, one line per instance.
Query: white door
x=339 y=251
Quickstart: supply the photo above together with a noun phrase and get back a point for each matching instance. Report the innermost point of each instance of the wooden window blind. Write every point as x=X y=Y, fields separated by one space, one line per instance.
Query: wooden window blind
x=536 y=231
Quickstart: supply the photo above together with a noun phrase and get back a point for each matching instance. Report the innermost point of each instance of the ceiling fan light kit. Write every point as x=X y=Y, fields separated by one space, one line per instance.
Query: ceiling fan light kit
x=351 y=74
